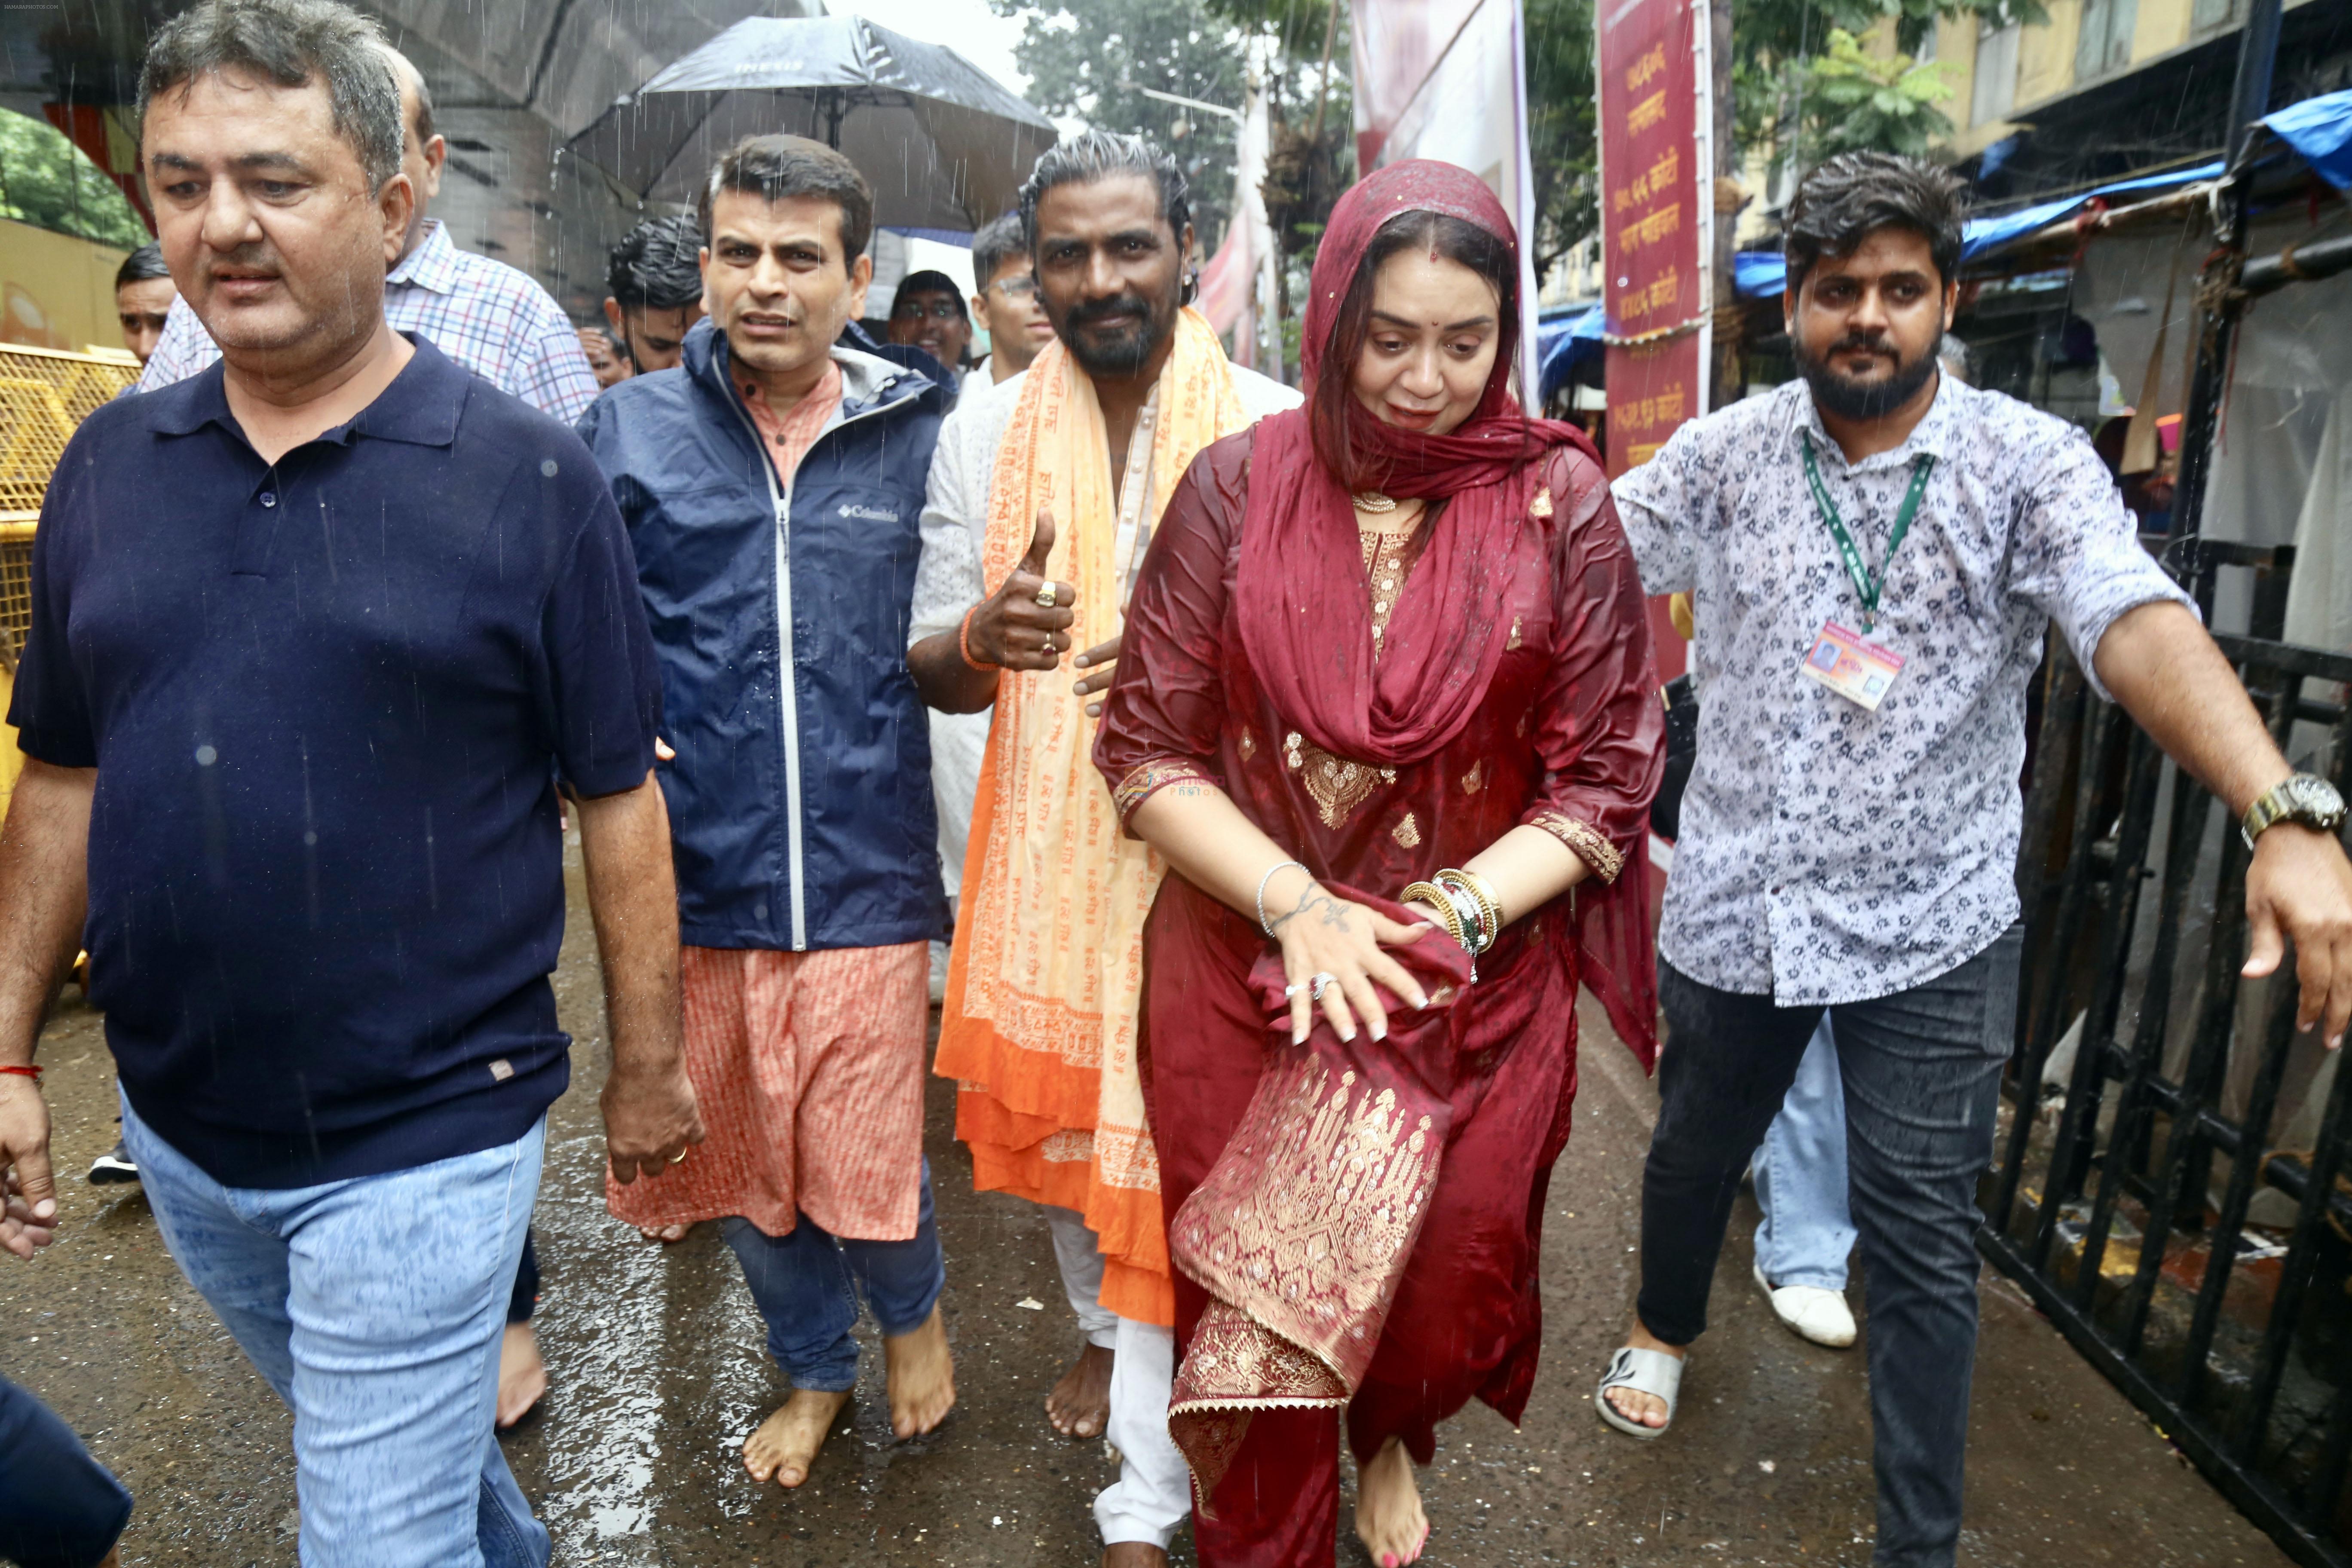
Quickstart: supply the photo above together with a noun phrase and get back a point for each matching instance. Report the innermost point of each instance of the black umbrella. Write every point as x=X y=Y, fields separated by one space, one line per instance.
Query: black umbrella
x=945 y=146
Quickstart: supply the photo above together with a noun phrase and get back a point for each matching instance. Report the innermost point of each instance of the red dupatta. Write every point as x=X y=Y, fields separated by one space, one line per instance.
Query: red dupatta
x=1308 y=628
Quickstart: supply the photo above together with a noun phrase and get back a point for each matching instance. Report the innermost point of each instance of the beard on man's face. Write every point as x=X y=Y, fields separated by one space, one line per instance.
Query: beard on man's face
x=1846 y=397
x=1123 y=349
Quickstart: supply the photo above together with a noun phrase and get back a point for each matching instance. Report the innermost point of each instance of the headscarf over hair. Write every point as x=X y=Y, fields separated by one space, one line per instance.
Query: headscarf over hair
x=1303 y=610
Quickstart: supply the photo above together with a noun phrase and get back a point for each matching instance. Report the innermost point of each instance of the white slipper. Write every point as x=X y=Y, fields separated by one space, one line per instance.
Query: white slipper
x=1645 y=1372
x=1811 y=1311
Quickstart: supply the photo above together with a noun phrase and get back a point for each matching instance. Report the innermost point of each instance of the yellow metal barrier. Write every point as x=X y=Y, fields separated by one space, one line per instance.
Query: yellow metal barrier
x=45 y=394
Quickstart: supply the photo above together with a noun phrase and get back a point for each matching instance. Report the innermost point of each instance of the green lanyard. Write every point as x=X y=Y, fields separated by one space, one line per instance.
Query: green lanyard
x=1865 y=583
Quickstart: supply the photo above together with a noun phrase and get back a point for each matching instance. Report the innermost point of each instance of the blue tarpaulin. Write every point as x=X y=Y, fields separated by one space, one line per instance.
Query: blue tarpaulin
x=1759 y=274
x=2320 y=130
x=1564 y=340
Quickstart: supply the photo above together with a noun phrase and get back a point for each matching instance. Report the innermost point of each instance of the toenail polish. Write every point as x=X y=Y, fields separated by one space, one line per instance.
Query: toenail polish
x=1388 y=1560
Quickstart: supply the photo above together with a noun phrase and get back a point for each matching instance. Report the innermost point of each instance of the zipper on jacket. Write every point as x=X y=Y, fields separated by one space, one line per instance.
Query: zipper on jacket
x=780 y=498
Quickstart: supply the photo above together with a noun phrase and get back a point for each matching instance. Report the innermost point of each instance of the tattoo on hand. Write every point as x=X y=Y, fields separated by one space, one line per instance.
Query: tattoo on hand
x=1334 y=913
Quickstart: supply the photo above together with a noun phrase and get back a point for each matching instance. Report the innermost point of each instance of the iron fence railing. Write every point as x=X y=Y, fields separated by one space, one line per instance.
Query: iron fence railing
x=2126 y=1182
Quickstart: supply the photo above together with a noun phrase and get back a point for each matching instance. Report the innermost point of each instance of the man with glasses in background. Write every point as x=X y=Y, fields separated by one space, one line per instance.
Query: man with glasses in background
x=1007 y=302
x=928 y=314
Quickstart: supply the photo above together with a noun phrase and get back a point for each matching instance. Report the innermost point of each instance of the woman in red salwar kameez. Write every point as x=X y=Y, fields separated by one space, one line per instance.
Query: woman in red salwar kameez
x=1395 y=632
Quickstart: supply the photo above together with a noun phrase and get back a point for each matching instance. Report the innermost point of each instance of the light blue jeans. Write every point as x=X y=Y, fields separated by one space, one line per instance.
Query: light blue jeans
x=374 y=1307
x=1807 y=1232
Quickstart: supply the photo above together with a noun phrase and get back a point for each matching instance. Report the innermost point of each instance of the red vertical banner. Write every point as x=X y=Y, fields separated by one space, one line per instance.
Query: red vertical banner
x=1655 y=232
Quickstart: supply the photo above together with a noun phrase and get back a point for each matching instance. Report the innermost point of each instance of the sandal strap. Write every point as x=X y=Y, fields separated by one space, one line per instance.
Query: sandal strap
x=1654 y=1372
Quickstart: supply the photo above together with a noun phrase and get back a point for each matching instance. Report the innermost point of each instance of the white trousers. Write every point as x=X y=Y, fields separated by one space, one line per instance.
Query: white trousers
x=1153 y=1494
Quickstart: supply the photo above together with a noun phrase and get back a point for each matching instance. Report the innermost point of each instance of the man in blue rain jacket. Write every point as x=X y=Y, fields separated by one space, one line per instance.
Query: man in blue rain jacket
x=772 y=487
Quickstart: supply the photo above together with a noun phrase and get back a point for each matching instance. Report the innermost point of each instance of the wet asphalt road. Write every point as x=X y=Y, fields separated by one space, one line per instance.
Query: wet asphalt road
x=660 y=1370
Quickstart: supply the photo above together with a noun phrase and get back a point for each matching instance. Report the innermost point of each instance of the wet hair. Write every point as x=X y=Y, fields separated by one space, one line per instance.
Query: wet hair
x=1455 y=239
x=141 y=265
x=929 y=282
x=999 y=242
x=779 y=168
x=1094 y=155
x=1854 y=194
x=404 y=74
x=657 y=266
x=290 y=44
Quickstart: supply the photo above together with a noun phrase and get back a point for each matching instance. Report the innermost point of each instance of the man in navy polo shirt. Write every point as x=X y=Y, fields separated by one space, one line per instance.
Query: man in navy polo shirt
x=313 y=633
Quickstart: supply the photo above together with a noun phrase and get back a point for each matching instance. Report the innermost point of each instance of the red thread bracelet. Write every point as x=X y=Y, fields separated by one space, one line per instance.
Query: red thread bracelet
x=963 y=642
x=29 y=1070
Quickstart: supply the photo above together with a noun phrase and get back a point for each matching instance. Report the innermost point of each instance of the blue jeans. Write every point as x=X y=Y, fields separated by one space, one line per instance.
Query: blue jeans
x=58 y=1507
x=1922 y=1073
x=1807 y=1232
x=807 y=1284
x=374 y=1307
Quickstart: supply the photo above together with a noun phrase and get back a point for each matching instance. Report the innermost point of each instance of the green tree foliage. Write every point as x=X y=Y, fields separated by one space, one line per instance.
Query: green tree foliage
x=1794 y=83
x=1091 y=59
x=1854 y=100
x=1564 y=150
x=46 y=181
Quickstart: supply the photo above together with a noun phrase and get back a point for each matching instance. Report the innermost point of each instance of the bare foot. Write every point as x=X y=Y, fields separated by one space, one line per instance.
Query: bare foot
x=1646 y=1408
x=1389 y=1519
x=786 y=1443
x=668 y=1235
x=522 y=1376
x=1134 y=1554
x=921 y=1376
x=1080 y=1405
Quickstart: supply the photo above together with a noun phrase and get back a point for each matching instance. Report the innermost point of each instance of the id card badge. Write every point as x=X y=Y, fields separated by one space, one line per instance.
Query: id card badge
x=1850 y=664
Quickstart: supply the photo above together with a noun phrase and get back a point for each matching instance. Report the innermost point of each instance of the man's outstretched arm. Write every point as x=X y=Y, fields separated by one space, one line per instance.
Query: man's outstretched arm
x=2169 y=676
x=648 y=1101
x=44 y=893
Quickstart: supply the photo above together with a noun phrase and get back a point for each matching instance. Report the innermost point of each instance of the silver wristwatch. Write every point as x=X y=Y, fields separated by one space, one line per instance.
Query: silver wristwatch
x=2312 y=802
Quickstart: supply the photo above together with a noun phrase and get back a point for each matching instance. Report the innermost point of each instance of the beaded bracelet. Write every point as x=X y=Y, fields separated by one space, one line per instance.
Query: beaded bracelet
x=1482 y=893
x=1262 y=881
x=963 y=642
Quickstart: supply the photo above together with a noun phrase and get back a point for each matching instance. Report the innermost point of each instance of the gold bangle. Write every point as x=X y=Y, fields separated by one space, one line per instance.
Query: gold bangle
x=1482 y=897
x=1432 y=895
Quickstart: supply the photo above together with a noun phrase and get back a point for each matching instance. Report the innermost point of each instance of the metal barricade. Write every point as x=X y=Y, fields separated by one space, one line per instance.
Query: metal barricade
x=2121 y=1199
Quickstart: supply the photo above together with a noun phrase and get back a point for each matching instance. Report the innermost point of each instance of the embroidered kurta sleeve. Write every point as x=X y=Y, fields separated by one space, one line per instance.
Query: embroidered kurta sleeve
x=1164 y=718
x=1598 y=725
x=2077 y=554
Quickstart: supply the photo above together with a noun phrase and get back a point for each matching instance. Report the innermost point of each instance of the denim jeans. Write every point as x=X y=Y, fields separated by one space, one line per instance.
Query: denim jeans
x=58 y=1507
x=807 y=1284
x=1807 y=1232
x=373 y=1307
x=1922 y=1075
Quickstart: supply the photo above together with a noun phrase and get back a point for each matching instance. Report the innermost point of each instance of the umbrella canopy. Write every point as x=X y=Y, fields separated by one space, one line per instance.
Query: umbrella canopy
x=944 y=145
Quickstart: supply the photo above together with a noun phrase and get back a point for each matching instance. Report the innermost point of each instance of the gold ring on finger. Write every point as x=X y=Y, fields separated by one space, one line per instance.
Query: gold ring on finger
x=1046 y=597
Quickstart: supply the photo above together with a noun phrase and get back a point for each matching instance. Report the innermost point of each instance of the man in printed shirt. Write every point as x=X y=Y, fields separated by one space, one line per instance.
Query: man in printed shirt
x=1101 y=425
x=773 y=486
x=486 y=315
x=1850 y=834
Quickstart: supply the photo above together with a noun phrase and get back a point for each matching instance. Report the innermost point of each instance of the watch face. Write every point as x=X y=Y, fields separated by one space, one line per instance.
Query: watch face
x=2313 y=799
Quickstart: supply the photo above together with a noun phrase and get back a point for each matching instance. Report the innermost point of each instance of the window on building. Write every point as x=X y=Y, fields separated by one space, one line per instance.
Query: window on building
x=1995 y=91
x=2209 y=15
x=2104 y=42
